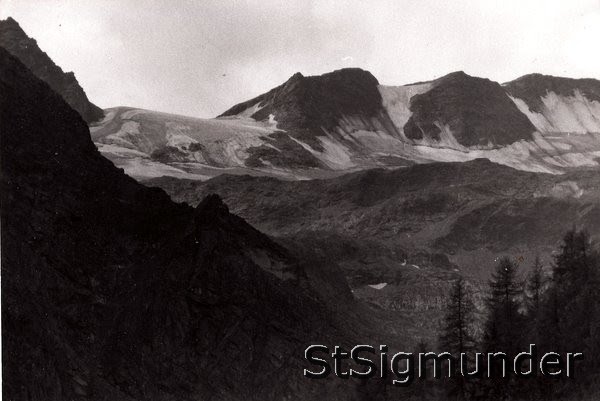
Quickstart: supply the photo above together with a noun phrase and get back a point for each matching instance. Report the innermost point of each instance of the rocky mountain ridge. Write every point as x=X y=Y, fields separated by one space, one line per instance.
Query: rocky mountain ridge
x=112 y=291
x=344 y=121
x=16 y=41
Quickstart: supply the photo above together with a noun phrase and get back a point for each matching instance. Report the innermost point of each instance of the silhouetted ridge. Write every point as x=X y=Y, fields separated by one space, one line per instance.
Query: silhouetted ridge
x=112 y=291
x=212 y=203
x=16 y=41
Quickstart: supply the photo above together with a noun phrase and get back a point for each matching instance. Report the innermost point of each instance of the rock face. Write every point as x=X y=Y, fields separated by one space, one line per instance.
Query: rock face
x=316 y=102
x=16 y=41
x=112 y=291
x=533 y=88
x=307 y=108
x=559 y=106
x=475 y=110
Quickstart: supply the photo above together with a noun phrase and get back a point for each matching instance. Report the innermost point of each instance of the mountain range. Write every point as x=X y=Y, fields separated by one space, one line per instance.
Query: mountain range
x=322 y=126
x=329 y=209
x=344 y=121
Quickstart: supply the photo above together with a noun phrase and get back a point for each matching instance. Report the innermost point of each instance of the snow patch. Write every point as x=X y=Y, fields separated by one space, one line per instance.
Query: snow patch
x=129 y=114
x=564 y=114
x=335 y=155
x=119 y=150
x=567 y=189
x=272 y=122
x=250 y=110
x=225 y=139
x=572 y=114
x=127 y=134
x=378 y=286
x=141 y=168
x=175 y=136
x=446 y=139
x=396 y=101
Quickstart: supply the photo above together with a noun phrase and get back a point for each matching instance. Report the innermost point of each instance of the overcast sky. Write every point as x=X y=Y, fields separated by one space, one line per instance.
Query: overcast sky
x=199 y=58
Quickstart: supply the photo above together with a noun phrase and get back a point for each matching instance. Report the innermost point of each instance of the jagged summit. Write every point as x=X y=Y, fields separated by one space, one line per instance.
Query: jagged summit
x=344 y=91
x=211 y=206
x=16 y=41
x=10 y=21
x=455 y=74
x=297 y=76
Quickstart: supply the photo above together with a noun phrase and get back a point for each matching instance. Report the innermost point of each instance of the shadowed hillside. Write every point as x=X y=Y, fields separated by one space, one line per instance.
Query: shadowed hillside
x=16 y=41
x=112 y=291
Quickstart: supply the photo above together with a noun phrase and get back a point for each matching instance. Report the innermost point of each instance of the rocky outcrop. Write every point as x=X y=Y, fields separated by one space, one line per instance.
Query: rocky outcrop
x=475 y=110
x=16 y=41
x=559 y=107
x=315 y=103
x=307 y=108
x=112 y=291
x=532 y=88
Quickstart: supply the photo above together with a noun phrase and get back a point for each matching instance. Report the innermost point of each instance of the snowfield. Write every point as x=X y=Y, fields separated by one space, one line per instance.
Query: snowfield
x=149 y=144
x=396 y=101
x=561 y=114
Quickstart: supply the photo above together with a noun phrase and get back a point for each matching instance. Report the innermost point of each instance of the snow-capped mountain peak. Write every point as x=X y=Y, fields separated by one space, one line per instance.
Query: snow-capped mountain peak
x=319 y=126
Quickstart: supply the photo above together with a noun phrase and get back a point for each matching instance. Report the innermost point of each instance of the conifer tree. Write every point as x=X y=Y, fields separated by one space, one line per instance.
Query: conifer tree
x=504 y=325
x=576 y=281
x=534 y=293
x=535 y=287
x=570 y=318
x=457 y=335
x=504 y=305
x=424 y=388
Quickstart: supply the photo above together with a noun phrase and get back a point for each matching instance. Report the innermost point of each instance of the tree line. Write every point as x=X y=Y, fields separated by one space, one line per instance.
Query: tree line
x=556 y=307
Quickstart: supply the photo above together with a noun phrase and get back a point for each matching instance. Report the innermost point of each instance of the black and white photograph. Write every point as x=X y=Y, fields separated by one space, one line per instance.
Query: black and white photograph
x=394 y=200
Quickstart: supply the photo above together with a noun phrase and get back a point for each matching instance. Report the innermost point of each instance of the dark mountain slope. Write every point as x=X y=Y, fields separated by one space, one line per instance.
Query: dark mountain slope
x=16 y=41
x=402 y=236
x=110 y=291
x=309 y=107
x=457 y=215
x=476 y=110
x=532 y=87
x=317 y=102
